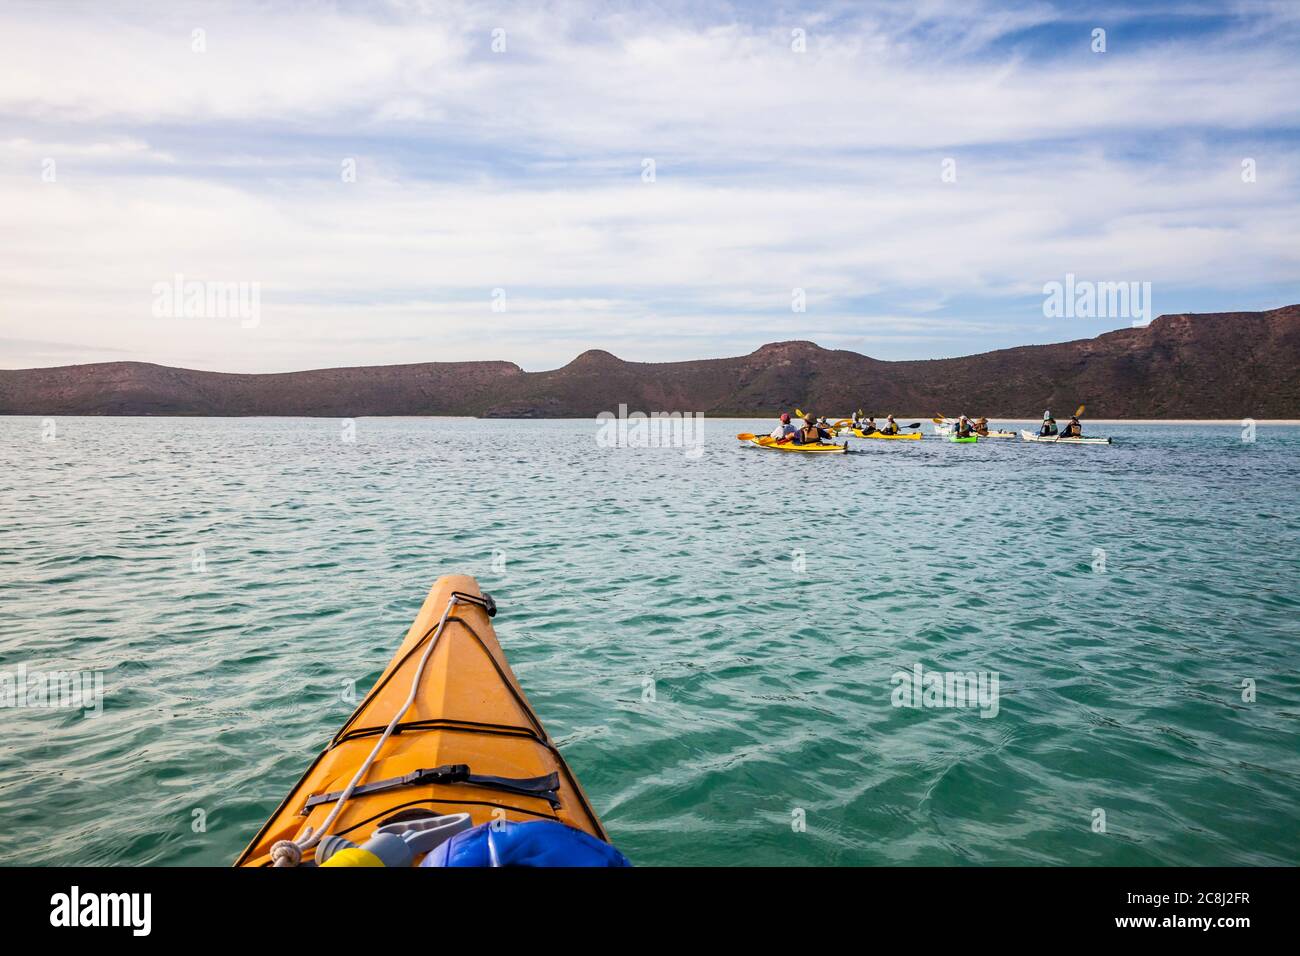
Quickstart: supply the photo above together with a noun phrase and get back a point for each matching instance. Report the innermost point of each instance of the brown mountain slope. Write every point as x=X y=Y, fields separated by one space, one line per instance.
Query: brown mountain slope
x=139 y=388
x=1232 y=364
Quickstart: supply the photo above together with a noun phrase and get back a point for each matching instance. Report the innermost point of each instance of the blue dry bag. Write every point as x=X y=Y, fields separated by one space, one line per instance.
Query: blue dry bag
x=537 y=843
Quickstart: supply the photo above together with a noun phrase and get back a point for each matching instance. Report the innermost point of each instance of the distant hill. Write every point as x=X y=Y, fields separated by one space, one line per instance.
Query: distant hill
x=1215 y=365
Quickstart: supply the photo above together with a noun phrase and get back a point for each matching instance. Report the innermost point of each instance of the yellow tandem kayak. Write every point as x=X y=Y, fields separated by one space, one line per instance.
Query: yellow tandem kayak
x=469 y=743
x=771 y=445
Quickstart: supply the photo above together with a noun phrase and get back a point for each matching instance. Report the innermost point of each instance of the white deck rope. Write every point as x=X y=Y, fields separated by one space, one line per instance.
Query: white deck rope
x=289 y=852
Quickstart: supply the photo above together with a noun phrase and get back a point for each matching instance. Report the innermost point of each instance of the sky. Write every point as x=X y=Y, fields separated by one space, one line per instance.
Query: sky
x=406 y=181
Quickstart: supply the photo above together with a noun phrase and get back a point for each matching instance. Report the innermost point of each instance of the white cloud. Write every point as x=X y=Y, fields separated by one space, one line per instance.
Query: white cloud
x=644 y=82
x=522 y=170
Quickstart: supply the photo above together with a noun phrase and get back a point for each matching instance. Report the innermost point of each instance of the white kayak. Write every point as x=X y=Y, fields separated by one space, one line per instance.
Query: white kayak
x=1055 y=440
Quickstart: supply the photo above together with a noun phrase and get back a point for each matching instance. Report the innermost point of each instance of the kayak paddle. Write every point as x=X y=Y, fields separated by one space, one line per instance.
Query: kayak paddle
x=761 y=439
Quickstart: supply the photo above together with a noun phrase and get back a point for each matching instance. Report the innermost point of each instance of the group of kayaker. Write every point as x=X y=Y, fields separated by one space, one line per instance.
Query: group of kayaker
x=966 y=427
x=809 y=432
x=812 y=430
x=868 y=425
x=1073 y=428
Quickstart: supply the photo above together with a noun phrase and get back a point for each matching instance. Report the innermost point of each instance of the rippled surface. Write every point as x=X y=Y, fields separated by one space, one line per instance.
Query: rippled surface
x=769 y=598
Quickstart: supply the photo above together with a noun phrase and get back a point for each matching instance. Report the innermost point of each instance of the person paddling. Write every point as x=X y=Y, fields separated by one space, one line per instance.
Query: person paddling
x=964 y=428
x=981 y=427
x=869 y=427
x=810 y=433
x=784 y=431
x=1048 y=427
x=890 y=427
x=1074 y=429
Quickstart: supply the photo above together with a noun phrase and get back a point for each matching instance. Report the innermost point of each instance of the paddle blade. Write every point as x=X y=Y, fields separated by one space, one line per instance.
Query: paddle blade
x=1078 y=412
x=746 y=436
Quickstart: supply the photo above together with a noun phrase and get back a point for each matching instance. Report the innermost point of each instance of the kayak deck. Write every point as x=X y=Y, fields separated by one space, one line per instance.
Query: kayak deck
x=1056 y=440
x=468 y=710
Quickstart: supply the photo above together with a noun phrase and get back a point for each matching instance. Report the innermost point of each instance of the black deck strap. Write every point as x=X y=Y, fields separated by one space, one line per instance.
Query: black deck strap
x=485 y=601
x=542 y=787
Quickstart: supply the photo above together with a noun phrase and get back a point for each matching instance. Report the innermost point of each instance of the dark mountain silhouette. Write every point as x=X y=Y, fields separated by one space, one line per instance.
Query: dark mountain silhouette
x=1218 y=365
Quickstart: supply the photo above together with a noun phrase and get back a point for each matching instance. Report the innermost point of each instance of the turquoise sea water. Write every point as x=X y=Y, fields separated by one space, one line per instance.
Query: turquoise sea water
x=1121 y=594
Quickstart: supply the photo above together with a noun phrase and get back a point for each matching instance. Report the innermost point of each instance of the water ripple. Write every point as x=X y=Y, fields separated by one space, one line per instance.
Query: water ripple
x=712 y=640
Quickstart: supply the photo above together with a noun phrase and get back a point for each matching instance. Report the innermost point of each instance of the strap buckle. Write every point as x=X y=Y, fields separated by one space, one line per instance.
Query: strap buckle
x=447 y=773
